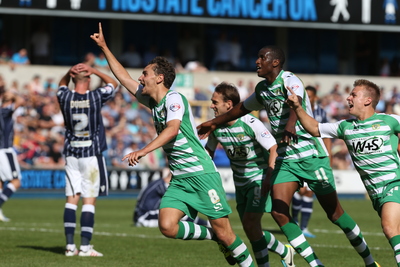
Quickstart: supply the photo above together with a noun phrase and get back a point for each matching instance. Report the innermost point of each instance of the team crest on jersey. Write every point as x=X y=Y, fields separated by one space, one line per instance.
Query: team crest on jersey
x=265 y=134
x=174 y=107
x=376 y=126
x=240 y=137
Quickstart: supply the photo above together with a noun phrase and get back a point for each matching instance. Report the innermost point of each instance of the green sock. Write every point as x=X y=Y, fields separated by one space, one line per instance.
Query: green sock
x=260 y=249
x=275 y=245
x=300 y=244
x=191 y=231
x=241 y=253
x=395 y=243
x=353 y=233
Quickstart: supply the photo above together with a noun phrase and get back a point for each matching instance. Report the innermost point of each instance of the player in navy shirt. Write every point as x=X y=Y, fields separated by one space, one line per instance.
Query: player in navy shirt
x=9 y=167
x=85 y=140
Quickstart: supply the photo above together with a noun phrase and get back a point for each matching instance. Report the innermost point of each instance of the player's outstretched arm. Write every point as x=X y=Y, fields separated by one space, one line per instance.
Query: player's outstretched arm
x=117 y=69
x=309 y=123
x=206 y=128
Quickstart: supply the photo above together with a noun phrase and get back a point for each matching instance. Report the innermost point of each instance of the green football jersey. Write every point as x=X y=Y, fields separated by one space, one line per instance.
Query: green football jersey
x=246 y=143
x=273 y=97
x=186 y=155
x=372 y=144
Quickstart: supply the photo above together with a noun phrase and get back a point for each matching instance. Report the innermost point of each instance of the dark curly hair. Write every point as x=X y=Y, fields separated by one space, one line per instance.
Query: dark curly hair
x=164 y=67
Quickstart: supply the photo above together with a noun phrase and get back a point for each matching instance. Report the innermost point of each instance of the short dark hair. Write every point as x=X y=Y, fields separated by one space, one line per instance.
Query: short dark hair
x=276 y=53
x=372 y=89
x=312 y=89
x=228 y=92
x=164 y=67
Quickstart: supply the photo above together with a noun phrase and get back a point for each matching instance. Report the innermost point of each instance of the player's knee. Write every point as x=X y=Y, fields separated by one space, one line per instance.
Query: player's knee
x=390 y=229
x=168 y=229
x=280 y=217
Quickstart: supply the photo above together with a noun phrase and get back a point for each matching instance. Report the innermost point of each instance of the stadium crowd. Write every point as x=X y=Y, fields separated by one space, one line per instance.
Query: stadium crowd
x=39 y=131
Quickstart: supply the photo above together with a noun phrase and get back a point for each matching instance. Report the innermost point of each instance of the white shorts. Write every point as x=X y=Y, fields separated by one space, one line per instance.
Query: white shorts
x=87 y=176
x=9 y=166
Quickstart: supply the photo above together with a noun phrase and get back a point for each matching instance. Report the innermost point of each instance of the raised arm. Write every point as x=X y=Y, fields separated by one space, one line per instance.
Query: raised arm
x=309 y=123
x=207 y=127
x=117 y=69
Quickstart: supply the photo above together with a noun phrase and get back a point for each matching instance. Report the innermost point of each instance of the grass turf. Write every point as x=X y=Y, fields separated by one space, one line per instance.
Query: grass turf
x=35 y=237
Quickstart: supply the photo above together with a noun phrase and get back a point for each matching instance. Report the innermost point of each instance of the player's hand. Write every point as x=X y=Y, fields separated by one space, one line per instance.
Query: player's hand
x=80 y=68
x=205 y=129
x=293 y=99
x=133 y=157
x=98 y=38
x=289 y=136
x=266 y=183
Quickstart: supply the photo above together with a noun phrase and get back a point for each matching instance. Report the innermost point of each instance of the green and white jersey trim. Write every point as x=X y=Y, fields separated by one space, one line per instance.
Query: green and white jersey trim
x=246 y=143
x=372 y=144
x=273 y=97
x=186 y=155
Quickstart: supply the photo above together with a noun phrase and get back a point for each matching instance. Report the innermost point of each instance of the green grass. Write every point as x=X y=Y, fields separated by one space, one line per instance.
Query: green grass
x=35 y=237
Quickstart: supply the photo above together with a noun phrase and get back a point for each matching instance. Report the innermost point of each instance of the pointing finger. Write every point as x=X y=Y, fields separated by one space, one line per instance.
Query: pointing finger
x=290 y=90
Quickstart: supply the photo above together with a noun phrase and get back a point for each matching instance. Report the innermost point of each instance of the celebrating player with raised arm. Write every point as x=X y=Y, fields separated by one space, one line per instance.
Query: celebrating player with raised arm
x=301 y=157
x=372 y=142
x=195 y=185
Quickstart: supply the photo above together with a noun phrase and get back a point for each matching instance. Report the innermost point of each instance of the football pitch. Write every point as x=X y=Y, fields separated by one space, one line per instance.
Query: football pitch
x=35 y=237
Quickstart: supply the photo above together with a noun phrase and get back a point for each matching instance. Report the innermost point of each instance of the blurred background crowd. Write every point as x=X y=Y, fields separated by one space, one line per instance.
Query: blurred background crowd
x=39 y=130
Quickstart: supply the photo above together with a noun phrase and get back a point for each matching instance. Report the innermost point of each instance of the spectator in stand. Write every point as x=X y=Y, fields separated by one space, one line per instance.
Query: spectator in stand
x=20 y=58
x=131 y=58
x=89 y=59
x=236 y=53
x=35 y=86
x=101 y=62
x=4 y=58
x=222 y=53
x=188 y=47
x=243 y=90
x=41 y=46
x=150 y=53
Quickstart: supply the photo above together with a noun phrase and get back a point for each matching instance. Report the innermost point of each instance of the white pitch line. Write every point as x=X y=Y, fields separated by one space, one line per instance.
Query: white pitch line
x=33 y=229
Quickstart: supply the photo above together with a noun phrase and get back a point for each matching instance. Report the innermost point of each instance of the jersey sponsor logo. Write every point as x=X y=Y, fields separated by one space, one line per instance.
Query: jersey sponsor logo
x=174 y=107
x=80 y=104
x=265 y=134
x=275 y=107
x=367 y=146
x=252 y=120
x=238 y=152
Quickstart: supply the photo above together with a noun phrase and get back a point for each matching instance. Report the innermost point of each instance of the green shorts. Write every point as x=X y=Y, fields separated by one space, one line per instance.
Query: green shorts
x=389 y=194
x=315 y=171
x=204 y=194
x=249 y=199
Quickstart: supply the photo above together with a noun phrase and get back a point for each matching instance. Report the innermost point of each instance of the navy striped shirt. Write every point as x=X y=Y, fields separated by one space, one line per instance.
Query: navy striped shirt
x=320 y=114
x=85 y=133
x=6 y=126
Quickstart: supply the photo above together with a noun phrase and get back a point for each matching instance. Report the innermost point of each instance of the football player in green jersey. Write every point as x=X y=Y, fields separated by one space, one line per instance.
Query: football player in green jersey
x=301 y=157
x=372 y=142
x=195 y=185
x=247 y=142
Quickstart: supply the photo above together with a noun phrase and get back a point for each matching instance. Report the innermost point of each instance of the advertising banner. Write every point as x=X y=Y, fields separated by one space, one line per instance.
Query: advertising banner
x=319 y=14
